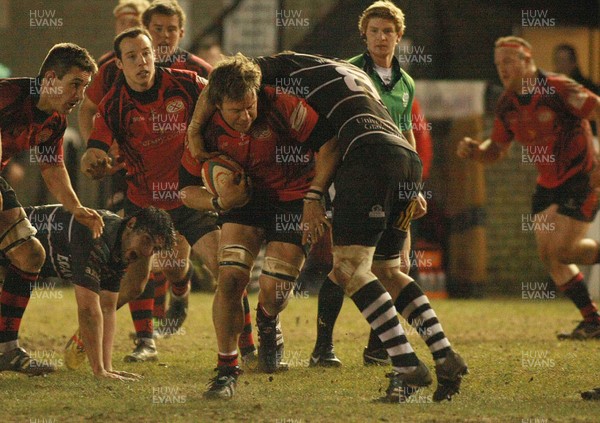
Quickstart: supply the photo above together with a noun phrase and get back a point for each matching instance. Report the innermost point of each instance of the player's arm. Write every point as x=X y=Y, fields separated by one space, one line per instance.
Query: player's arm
x=59 y=184
x=202 y=113
x=87 y=111
x=314 y=218
x=95 y=162
x=483 y=152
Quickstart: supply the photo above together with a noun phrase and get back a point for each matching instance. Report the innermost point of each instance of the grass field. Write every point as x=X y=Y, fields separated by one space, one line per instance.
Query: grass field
x=519 y=371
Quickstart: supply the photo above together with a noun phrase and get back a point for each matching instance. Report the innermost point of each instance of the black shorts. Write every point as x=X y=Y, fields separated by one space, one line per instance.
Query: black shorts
x=575 y=198
x=376 y=189
x=9 y=198
x=192 y=224
x=279 y=219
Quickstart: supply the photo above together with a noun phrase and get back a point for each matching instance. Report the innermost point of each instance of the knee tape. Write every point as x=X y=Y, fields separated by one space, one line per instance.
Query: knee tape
x=236 y=256
x=16 y=235
x=280 y=270
x=352 y=264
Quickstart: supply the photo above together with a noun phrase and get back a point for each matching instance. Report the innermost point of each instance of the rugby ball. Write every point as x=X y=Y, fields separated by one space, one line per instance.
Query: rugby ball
x=218 y=170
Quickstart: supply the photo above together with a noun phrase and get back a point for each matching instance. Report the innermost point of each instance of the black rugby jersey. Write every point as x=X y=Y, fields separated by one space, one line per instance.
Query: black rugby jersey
x=339 y=91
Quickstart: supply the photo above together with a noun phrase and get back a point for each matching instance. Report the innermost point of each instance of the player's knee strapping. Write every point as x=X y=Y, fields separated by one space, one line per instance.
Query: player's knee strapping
x=352 y=267
x=281 y=271
x=17 y=234
x=236 y=256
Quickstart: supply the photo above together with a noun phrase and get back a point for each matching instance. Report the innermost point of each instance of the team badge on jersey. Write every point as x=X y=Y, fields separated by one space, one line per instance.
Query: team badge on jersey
x=377 y=212
x=405 y=98
x=175 y=105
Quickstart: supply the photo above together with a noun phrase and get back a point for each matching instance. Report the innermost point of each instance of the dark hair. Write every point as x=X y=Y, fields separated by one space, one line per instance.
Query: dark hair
x=569 y=49
x=64 y=56
x=129 y=33
x=234 y=77
x=163 y=7
x=155 y=222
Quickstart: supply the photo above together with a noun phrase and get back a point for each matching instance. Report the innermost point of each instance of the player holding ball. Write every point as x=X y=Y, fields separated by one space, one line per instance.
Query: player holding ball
x=273 y=137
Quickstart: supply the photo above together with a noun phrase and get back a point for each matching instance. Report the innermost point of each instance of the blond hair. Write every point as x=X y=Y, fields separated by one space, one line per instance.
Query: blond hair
x=385 y=10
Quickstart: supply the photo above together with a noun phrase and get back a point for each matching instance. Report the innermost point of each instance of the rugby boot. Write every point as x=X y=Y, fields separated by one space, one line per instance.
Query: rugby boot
x=250 y=360
x=403 y=385
x=584 y=330
x=449 y=376
x=270 y=349
x=592 y=395
x=145 y=350
x=324 y=356
x=222 y=386
x=376 y=357
x=75 y=351
x=18 y=360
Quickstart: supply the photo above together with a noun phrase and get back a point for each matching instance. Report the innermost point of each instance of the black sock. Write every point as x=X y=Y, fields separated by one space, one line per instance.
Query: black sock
x=331 y=298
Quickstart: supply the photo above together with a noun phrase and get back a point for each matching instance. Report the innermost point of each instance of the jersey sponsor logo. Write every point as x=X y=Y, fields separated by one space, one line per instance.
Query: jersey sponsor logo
x=298 y=117
x=261 y=132
x=377 y=212
x=92 y=273
x=175 y=105
x=545 y=115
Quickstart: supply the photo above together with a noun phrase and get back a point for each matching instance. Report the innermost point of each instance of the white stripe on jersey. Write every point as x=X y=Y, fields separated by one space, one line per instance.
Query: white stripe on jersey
x=50 y=240
x=360 y=136
x=71 y=226
x=321 y=86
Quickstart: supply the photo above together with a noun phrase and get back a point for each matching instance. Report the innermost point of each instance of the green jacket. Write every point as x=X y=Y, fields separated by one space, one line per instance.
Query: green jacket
x=397 y=96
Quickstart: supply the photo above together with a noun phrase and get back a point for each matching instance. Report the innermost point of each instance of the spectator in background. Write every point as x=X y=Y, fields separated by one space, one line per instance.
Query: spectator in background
x=565 y=62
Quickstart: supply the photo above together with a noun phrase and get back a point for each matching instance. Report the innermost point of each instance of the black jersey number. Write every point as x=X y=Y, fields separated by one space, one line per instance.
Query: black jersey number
x=358 y=81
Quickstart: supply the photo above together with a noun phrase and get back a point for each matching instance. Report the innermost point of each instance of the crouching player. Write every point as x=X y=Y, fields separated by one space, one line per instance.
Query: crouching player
x=265 y=132
x=96 y=267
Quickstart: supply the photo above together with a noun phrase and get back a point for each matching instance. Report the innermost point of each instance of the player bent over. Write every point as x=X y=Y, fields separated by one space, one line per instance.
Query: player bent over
x=146 y=113
x=33 y=117
x=548 y=115
x=259 y=128
x=97 y=266
x=375 y=183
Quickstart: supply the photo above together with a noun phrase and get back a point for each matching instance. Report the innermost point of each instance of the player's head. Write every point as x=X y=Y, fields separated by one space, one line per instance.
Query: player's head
x=512 y=57
x=381 y=25
x=64 y=74
x=165 y=20
x=128 y=14
x=135 y=57
x=233 y=87
x=564 y=58
x=147 y=231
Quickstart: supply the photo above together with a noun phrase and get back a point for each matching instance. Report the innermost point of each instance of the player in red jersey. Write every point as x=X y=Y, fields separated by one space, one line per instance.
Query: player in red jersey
x=548 y=115
x=165 y=20
x=273 y=136
x=146 y=112
x=33 y=117
x=128 y=14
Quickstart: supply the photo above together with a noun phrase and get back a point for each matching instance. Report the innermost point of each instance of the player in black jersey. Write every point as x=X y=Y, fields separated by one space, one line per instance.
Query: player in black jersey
x=377 y=174
x=97 y=266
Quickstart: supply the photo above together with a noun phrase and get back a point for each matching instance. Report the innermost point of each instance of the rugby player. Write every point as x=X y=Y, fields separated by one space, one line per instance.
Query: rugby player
x=96 y=267
x=146 y=113
x=165 y=20
x=548 y=115
x=272 y=136
x=370 y=216
x=33 y=117
x=381 y=25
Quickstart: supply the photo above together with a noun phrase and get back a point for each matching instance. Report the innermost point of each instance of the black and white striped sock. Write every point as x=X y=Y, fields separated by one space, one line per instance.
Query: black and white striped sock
x=415 y=308
x=377 y=307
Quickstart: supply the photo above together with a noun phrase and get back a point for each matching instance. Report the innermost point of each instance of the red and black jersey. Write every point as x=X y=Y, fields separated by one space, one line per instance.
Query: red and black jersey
x=277 y=151
x=23 y=126
x=108 y=72
x=338 y=91
x=150 y=128
x=550 y=121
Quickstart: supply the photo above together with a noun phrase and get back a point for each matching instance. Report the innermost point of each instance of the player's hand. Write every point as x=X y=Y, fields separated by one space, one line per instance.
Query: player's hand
x=196 y=147
x=466 y=148
x=91 y=219
x=421 y=209
x=100 y=164
x=133 y=376
x=314 y=222
x=104 y=374
x=235 y=192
